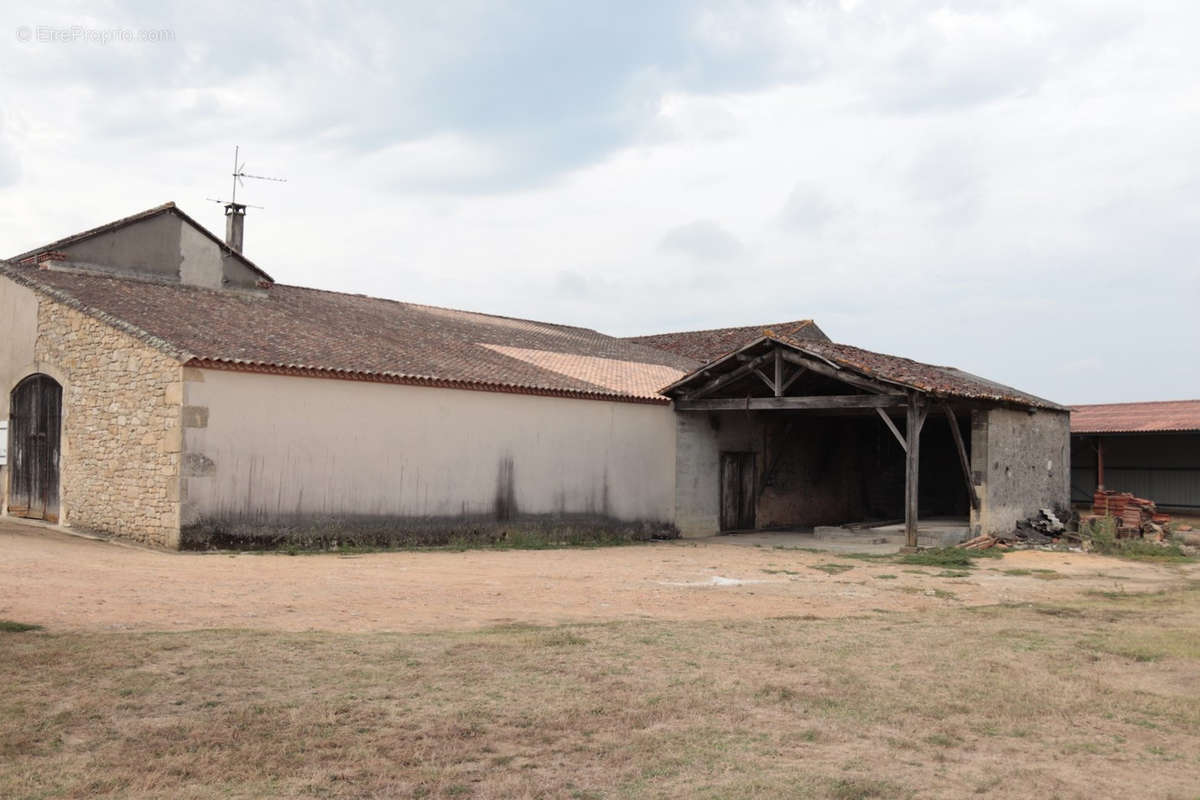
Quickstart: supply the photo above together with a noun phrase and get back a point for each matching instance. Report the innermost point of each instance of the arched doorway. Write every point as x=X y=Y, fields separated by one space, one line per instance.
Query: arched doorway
x=35 y=432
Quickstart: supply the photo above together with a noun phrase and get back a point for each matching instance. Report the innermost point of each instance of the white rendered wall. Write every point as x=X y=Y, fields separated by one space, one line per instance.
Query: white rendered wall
x=272 y=445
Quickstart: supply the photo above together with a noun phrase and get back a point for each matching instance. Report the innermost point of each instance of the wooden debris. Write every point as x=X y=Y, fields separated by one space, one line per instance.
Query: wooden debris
x=982 y=542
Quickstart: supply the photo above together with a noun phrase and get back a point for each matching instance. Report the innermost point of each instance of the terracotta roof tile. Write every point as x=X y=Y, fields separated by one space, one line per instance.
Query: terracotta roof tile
x=902 y=372
x=354 y=335
x=709 y=345
x=1164 y=415
x=627 y=377
x=932 y=378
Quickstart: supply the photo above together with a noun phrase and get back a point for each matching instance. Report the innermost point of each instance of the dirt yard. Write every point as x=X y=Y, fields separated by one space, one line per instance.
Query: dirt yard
x=675 y=670
x=69 y=583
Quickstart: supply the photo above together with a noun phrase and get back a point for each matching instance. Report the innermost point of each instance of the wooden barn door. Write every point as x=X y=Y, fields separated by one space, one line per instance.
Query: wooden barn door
x=737 y=491
x=34 y=434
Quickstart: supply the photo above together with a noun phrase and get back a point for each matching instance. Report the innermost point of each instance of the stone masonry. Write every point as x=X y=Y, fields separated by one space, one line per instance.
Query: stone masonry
x=121 y=441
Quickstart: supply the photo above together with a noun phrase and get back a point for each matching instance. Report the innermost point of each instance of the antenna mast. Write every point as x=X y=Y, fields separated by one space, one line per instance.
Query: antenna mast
x=235 y=212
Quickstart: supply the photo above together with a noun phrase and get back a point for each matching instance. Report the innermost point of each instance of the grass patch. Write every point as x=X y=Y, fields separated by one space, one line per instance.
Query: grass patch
x=885 y=577
x=953 y=557
x=1149 y=645
x=864 y=789
x=883 y=706
x=9 y=626
x=833 y=569
x=952 y=573
x=1103 y=535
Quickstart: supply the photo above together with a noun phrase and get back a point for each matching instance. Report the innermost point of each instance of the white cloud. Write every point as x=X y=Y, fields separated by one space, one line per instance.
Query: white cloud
x=976 y=183
x=702 y=240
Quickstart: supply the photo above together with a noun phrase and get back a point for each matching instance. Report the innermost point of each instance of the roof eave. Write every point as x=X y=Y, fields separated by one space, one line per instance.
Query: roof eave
x=162 y=345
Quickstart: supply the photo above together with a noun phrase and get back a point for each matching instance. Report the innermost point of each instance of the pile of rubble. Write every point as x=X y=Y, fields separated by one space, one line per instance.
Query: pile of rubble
x=1045 y=529
x=1134 y=517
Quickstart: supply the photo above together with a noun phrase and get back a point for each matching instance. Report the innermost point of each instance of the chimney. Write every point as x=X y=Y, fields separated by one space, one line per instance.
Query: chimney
x=235 y=225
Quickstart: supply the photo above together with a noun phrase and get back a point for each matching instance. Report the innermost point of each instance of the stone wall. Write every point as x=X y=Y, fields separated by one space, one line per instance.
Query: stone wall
x=1020 y=462
x=121 y=438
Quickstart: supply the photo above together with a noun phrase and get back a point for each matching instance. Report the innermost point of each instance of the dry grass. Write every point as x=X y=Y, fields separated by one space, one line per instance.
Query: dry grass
x=1092 y=699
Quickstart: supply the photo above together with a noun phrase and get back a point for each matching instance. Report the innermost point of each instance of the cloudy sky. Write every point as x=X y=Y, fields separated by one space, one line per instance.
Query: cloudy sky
x=1008 y=187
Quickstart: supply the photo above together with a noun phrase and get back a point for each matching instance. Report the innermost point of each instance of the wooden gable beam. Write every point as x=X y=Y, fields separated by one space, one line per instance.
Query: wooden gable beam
x=729 y=377
x=810 y=403
x=857 y=381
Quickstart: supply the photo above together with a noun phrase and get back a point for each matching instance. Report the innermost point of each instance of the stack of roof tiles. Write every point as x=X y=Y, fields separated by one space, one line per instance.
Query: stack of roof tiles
x=1129 y=511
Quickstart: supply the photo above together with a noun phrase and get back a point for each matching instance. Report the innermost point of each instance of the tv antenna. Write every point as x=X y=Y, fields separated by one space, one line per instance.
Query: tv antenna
x=239 y=172
x=235 y=212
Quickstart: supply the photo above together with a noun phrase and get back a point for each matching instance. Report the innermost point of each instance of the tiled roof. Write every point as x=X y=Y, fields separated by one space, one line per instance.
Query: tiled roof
x=307 y=331
x=618 y=375
x=902 y=372
x=709 y=345
x=1165 y=415
x=932 y=378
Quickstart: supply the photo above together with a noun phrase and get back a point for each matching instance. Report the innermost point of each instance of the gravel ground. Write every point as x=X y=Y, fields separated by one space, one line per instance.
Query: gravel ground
x=66 y=582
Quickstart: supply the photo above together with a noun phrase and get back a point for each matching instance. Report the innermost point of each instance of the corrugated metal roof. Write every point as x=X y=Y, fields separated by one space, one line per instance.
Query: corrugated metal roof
x=1159 y=416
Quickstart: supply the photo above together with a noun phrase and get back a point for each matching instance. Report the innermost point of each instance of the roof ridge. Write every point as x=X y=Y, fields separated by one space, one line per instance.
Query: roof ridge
x=800 y=322
x=446 y=308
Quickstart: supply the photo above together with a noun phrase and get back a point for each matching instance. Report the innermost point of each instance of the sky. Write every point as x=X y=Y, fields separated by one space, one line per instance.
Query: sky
x=1012 y=188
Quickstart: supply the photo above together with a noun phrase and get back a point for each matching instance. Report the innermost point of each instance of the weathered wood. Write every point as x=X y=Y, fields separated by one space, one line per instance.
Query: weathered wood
x=730 y=377
x=738 y=496
x=811 y=403
x=912 y=468
x=858 y=381
x=778 y=373
x=887 y=420
x=35 y=438
x=962 y=455
x=767 y=380
x=787 y=384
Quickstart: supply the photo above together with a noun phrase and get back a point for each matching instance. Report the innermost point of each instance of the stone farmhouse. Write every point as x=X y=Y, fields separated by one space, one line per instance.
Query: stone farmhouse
x=161 y=387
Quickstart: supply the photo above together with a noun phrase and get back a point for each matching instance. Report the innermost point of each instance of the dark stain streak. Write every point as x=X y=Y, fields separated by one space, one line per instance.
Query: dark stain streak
x=323 y=532
x=506 y=491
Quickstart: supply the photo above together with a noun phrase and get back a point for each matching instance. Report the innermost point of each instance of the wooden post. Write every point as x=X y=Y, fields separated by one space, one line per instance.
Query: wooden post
x=1099 y=464
x=912 y=468
x=778 y=372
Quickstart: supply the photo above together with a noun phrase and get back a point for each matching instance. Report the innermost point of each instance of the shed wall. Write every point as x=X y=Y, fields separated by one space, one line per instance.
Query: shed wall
x=1164 y=467
x=18 y=335
x=272 y=450
x=1020 y=462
